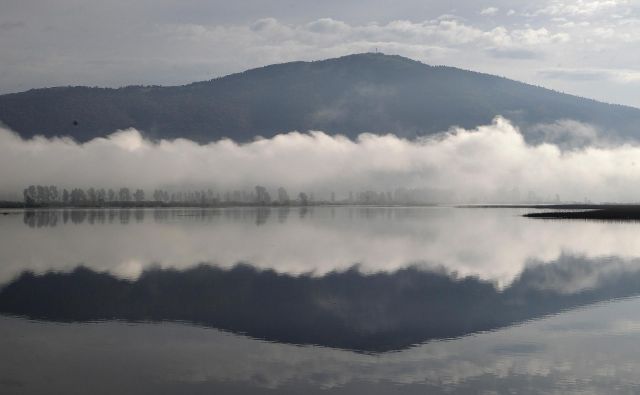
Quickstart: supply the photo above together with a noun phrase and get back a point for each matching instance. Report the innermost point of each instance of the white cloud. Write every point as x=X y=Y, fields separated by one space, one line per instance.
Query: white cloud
x=469 y=164
x=610 y=75
x=582 y=8
x=332 y=37
x=489 y=11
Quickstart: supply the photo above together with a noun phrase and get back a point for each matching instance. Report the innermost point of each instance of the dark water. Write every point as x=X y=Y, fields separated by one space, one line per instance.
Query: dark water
x=317 y=300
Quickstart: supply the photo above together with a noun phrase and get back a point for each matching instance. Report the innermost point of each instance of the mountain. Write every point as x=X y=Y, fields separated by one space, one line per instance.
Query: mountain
x=357 y=93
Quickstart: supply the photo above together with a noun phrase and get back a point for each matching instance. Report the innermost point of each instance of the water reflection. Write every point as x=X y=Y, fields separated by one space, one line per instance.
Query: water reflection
x=35 y=218
x=51 y=218
x=588 y=351
x=350 y=310
x=261 y=215
x=492 y=244
x=440 y=300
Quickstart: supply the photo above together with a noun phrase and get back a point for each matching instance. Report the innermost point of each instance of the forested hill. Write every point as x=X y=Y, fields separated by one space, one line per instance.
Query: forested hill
x=348 y=95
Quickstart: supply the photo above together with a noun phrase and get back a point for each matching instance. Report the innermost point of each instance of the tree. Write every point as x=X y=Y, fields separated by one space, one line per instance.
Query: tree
x=283 y=196
x=42 y=194
x=304 y=199
x=124 y=195
x=29 y=195
x=101 y=196
x=262 y=195
x=65 y=196
x=138 y=196
x=111 y=195
x=158 y=196
x=78 y=196
x=54 y=196
x=92 y=196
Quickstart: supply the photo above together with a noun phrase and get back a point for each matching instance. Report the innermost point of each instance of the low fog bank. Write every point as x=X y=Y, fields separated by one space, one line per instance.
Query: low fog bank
x=493 y=163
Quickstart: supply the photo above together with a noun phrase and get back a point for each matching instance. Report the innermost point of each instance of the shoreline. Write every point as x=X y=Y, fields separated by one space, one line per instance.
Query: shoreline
x=621 y=213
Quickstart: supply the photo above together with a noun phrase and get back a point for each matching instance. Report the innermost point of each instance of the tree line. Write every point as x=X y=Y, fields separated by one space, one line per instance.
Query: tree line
x=51 y=195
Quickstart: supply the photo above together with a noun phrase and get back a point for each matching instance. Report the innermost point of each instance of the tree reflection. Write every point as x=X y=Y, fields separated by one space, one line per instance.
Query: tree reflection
x=49 y=218
x=37 y=218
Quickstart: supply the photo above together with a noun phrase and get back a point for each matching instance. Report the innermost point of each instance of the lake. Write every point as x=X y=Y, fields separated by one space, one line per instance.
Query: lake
x=345 y=300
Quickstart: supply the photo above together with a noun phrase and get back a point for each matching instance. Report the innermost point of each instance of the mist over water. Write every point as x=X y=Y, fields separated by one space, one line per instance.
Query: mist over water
x=564 y=161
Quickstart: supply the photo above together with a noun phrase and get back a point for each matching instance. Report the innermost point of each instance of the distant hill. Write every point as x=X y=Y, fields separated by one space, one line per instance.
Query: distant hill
x=348 y=95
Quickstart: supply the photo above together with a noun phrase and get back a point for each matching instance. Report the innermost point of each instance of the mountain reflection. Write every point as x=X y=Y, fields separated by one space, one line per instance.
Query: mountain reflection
x=351 y=310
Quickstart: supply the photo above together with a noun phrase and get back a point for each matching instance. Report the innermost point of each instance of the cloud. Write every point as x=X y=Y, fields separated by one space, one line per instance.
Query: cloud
x=472 y=165
x=609 y=75
x=489 y=11
x=512 y=53
x=8 y=26
x=327 y=25
x=568 y=135
x=574 y=75
x=582 y=8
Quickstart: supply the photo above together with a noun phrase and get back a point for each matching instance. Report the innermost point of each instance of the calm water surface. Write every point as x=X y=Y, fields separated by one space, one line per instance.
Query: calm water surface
x=318 y=300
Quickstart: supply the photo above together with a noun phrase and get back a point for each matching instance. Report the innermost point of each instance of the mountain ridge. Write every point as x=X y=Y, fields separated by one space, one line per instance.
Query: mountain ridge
x=349 y=95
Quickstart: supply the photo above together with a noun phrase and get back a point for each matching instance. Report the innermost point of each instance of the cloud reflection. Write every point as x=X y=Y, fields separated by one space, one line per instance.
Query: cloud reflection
x=495 y=245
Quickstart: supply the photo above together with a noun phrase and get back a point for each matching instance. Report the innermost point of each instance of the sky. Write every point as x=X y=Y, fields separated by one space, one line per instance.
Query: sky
x=589 y=48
